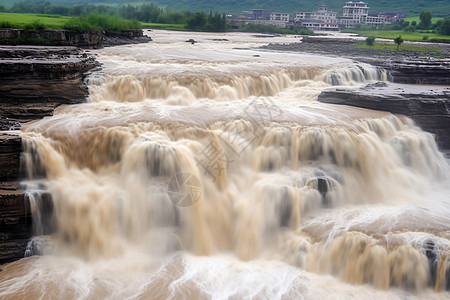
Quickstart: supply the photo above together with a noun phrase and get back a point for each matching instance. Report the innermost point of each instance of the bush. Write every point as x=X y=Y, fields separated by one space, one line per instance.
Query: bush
x=6 y=24
x=35 y=26
x=445 y=27
x=398 y=41
x=104 y=22
x=261 y=28
x=370 y=41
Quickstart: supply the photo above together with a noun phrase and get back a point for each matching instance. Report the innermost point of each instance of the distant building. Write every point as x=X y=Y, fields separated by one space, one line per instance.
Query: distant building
x=374 y=21
x=317 y=25
x=302 y=15
x=391 y=16
x=260 y=14
x=319 y=20
x=279 y=17
x=322 y=13
x=353 y=13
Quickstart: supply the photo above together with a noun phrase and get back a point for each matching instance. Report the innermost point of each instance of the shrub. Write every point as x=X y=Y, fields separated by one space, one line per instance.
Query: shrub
x=398 y=40
x=370 y=41
x=6 y=24
x=105 y=22
x=35 y=26
x=261 y=28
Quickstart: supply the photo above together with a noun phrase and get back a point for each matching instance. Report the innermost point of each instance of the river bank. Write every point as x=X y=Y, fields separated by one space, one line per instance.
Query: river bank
x=417 y=87
x=35 y=80
x=192 y=158
x=91 y=39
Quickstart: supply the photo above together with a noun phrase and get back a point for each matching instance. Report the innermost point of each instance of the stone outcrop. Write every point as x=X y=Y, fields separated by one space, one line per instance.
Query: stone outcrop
x=414 y=70
x=34 y=80
x=52 y=37
x=125 y=37
x=405 y=66
x=62 y=37
x=429 y=107
x=15 y=216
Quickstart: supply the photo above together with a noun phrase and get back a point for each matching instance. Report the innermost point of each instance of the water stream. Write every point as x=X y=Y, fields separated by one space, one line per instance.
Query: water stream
x=209 y=170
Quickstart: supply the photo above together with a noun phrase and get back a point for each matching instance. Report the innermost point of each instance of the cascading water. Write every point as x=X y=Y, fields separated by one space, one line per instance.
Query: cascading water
x=206 y=171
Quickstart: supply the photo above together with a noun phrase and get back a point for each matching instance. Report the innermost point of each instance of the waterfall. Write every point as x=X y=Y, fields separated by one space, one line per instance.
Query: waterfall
x=223 y=177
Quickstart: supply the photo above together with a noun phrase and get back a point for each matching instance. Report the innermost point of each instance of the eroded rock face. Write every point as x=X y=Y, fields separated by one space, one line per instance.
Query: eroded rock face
x=34 y=80
x=415 y=70
x=428 y=106
x=60 y=37
x=405 y=66
x=15 y=216
x=52 y=37
x=10 y=148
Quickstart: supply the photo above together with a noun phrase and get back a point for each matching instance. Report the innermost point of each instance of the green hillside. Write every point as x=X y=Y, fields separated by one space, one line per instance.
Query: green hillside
x=439 y=8
x=411 y=7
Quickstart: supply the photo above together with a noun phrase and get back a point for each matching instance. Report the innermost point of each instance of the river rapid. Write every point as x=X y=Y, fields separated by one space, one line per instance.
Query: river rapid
x=209 y=170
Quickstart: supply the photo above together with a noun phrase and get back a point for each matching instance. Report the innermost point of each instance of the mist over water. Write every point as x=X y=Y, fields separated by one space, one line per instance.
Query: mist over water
x=211 y=171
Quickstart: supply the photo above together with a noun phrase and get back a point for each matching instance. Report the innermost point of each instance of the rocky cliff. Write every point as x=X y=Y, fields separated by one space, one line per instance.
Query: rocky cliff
x=33 y=81
x=428 y=106
x=405 y=66
x=15 y=217
x=414 y=75
x=414 y=70
x=61 y=37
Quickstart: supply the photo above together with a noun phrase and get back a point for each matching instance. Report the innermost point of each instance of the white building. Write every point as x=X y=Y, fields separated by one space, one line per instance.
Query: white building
x=374 y=21
x=319 y=25
x=321 y=19
x=282 y=17
x=302 y=15
x=353 y=13
x=322 y=13
x=358 y=13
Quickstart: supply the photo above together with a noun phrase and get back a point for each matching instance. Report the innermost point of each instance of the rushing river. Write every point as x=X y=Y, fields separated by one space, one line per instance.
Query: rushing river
x=209 y=170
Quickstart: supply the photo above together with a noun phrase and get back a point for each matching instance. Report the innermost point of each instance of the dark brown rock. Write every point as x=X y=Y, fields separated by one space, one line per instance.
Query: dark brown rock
x=15 y=221
x=415 y=70
x=10 y=148
x=60 y=37
x=405 y=66
x=34 y=80
x=428 y=106
x=52 y=37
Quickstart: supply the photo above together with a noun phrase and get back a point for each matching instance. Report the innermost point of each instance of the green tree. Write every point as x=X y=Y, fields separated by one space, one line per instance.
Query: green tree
x=425 y=19
x=398 y=40
x=370 y=41
x=445 y=27
x=197 y=21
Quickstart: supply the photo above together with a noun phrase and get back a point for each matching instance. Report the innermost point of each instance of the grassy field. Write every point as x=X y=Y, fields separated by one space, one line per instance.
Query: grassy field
x=56 y=21
x=392 y=46
x=417 y=19
x=407 y=36
x=178 y=27
x=19 y=20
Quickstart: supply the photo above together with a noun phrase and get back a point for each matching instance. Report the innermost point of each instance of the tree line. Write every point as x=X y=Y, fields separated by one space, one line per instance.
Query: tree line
x=441 y=26
x=147 y=12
